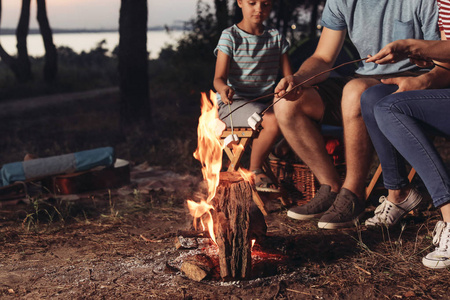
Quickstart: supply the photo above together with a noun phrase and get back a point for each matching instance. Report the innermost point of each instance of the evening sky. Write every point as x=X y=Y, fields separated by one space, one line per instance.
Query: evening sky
x=98 y=14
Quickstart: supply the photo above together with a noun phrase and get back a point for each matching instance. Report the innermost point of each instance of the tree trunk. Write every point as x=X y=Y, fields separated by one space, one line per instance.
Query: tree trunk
x=221 y=14
x=51 y=57
x=23 y=61
x=133 y=57
x=313 y=22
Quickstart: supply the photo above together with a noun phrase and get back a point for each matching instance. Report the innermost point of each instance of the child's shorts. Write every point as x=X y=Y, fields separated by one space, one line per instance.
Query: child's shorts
x=241 y=115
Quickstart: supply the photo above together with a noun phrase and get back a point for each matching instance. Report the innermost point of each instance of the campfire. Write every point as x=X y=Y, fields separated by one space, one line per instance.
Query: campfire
x=229 y=217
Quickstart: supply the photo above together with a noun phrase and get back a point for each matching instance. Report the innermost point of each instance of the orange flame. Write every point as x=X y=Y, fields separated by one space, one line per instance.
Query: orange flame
x=197 y=210
x=247 y=175
x=209 y=152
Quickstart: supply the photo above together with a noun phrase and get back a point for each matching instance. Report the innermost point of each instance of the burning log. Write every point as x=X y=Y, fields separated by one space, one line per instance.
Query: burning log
x=187 y=239
x=237 y=221
x=229 y=213
x=198 y=267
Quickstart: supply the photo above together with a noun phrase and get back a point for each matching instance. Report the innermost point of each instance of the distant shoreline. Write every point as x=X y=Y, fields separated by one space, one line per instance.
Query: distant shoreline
x=11 y=31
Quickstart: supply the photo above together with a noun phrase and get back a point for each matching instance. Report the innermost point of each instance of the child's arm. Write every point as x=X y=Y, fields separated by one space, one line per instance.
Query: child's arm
x=285 y=65
x=221 y=76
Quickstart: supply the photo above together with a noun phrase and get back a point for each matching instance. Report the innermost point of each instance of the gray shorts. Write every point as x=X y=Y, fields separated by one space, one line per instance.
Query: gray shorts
x=329 y=90
x=241 y=115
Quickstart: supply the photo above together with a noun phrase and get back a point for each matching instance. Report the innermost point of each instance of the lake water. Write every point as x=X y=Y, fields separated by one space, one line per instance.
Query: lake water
x=86 y=41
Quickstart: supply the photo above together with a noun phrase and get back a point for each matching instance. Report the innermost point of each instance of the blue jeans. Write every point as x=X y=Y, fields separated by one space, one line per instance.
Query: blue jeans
x=399 y=126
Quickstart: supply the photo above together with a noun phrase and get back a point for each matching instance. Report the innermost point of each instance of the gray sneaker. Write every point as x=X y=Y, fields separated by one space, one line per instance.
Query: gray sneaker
x=344 y=212
x=316 y=206
x=440 y=257
x=389 y=214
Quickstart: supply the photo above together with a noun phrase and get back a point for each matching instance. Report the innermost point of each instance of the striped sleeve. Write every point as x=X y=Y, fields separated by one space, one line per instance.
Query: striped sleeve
x=444 y=16
x=225 y=43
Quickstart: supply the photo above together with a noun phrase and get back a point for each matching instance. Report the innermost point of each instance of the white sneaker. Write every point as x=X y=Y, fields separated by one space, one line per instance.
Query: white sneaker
x=389 y=214
x=440 y=257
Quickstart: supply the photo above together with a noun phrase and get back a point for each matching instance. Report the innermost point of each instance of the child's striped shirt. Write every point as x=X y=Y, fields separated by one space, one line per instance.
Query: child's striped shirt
x=255 y=60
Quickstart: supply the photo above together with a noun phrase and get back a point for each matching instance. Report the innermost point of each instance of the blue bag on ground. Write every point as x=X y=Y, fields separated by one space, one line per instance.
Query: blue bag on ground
x=67 y=163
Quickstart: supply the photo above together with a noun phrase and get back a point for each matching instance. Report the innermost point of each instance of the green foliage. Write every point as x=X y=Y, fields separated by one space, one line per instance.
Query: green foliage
x=41 y=212
x=76 y=72
x=177 y=78
x=189 y=67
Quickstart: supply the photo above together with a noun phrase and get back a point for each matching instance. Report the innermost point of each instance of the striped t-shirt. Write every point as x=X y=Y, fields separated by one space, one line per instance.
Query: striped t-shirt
x=444 y=17
x=254 y=60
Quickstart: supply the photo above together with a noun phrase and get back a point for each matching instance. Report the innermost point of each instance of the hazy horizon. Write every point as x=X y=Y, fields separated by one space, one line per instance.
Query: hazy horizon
x=98 y=14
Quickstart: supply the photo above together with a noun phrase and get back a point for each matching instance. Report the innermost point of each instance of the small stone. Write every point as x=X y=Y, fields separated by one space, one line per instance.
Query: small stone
x=410 y=294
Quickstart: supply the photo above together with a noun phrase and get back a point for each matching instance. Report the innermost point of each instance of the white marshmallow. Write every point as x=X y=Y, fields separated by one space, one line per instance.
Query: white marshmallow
x=254 y=121
x=231 y=140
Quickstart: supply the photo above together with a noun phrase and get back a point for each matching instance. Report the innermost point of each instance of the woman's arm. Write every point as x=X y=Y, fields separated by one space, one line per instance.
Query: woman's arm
x=415 y=49
x=440 y=75
x=420 y=52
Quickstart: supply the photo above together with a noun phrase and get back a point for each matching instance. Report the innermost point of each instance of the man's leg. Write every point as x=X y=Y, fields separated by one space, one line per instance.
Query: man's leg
x=349 y=204
x=298 y=123
x=358 y=147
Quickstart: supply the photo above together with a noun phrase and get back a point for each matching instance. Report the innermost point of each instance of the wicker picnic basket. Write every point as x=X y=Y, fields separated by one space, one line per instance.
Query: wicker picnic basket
x=298 y=180
x=295 y=178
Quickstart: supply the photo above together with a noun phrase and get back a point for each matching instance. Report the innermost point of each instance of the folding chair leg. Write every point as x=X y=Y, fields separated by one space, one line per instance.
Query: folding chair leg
x=258 y=201
x=377 y=175
x=236 y=154
x=373 y=182
x=411 y=174
x=268 y=171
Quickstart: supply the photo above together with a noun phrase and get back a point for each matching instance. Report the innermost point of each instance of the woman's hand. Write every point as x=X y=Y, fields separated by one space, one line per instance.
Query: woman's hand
x=391 y=53
x=408 y=83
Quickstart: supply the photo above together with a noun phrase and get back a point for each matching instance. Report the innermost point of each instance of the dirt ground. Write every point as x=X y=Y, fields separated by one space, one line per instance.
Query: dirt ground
x=119 y=244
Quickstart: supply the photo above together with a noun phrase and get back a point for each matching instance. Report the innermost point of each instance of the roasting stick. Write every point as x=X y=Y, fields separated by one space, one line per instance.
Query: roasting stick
x=309 y=79
x=302 y=83
x=434 y=64
x=296 y=86
x=231 y=119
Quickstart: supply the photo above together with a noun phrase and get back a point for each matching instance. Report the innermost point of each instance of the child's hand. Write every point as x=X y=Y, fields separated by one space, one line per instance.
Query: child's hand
x=226 y=95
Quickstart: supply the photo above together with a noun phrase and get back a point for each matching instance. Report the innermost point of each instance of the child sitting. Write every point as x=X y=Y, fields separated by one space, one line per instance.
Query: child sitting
x=249 y=58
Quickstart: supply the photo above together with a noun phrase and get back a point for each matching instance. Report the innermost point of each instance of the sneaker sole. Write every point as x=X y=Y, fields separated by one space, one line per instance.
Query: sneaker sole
x=436 y=264
x=413 y=206
x=348 y=224
x=299 y=217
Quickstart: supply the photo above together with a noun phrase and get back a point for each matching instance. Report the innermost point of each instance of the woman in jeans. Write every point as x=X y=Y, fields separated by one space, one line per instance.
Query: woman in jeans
x=399 y=125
